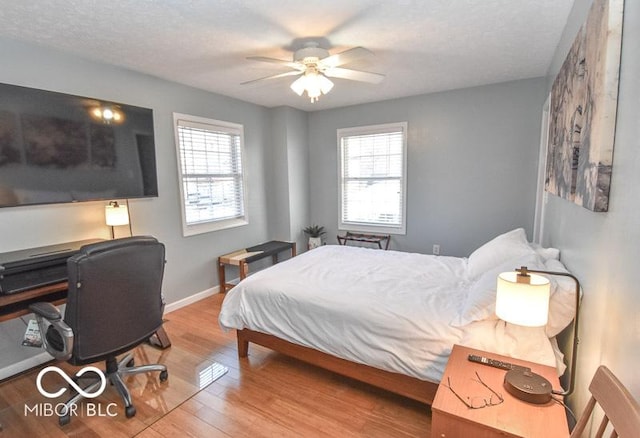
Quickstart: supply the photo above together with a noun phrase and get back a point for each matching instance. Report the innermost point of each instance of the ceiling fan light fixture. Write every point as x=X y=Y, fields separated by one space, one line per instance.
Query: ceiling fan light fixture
x=316 y=66
x=314 y=83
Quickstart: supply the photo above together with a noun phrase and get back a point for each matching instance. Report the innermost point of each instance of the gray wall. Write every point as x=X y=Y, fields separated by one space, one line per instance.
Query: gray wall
x=298 y=175
x=603 y=249
x=288 y=180
x=277 y=178
x=190 y=268
x=472 y=160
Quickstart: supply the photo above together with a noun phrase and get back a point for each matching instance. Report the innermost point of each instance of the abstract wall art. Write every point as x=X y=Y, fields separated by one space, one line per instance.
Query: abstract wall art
x=582 y=113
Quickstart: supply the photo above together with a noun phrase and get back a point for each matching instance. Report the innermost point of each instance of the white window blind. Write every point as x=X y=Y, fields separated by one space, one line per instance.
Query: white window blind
x=373 y=164
x=211 y=173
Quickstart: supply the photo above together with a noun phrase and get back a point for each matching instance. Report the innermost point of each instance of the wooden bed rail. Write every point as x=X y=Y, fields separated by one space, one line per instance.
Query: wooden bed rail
x=407 y=386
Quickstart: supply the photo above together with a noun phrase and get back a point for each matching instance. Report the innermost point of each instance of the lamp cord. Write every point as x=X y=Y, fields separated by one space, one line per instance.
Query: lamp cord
x=567 y=408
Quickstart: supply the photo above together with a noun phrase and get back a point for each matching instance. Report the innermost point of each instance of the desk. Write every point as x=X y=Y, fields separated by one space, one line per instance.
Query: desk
x=243 y=257
x=512 y=418
x=16 y=305
x=367 y=238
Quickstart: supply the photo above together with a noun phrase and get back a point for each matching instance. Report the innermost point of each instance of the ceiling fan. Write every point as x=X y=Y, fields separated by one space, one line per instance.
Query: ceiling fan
x=315 y=65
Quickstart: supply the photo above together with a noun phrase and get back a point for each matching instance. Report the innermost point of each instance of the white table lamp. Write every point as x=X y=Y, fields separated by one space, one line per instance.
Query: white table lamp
x=522 y=298
x=116 y=215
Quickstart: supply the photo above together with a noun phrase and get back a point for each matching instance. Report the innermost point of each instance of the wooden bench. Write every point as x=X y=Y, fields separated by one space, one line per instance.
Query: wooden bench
x=243 y=257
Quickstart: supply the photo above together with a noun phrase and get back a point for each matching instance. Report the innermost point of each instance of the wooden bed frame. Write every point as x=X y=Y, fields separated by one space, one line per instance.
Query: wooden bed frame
x=407 y=386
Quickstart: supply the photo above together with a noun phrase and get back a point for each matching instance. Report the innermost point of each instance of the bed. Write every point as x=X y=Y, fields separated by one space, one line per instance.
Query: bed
x=391 y=318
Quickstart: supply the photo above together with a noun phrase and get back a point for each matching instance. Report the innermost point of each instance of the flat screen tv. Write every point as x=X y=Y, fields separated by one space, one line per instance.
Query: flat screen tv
x=57 y=148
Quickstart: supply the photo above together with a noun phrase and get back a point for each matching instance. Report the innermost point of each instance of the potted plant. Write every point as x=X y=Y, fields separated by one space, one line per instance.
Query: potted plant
x=315 y=233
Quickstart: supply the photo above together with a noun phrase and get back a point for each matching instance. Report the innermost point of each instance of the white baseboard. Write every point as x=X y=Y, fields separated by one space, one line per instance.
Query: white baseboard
x=191 y=299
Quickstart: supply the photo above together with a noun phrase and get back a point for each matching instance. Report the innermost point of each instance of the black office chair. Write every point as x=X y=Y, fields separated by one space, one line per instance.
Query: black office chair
x=114 y=304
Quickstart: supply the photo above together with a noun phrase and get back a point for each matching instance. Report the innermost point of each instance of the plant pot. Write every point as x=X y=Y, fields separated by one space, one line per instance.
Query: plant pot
x=314 y=242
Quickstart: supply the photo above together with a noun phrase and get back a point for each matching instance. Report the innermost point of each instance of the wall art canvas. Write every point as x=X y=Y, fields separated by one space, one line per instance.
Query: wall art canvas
x=583 y=111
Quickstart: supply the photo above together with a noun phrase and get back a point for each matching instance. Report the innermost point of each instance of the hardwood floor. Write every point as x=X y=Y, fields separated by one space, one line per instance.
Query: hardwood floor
x=265 y=395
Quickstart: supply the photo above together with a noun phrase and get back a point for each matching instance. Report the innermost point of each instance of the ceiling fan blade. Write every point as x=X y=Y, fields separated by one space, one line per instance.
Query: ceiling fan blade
x=281 y=75
x=354 y=75
x=291 y=64
x=345 y=57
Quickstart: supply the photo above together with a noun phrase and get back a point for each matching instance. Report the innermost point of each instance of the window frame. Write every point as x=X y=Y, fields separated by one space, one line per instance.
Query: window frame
x=371 y=227
x=190 y=229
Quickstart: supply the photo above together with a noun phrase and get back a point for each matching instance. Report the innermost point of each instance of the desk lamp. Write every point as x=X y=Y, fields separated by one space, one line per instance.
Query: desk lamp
x=522 y=298
x=116 y=215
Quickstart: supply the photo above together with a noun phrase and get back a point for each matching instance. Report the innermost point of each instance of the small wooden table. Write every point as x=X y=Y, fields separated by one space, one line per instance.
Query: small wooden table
x=512 y=418
x=243 y=257
x=367 y=238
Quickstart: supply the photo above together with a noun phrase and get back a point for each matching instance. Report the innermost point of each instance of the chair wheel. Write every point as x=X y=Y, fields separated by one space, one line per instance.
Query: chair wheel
x=130 y=363
x=63 y=420
x=130 y=411
x=164 y=375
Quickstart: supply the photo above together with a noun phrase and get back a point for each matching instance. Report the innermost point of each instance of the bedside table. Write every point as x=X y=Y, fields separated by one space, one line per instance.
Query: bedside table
x=512 y=418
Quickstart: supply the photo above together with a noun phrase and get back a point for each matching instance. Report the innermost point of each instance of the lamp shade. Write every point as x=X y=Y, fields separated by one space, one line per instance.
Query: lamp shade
x=325 y=84
x=523 y=300
x=116 y=214
x=299 y=85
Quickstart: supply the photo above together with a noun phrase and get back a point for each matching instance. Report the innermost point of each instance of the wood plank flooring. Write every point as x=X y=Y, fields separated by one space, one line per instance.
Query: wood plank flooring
x=265 y=395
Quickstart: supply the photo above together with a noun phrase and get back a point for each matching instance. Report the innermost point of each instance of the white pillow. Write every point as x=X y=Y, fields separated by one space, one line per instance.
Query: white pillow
x=497 y=251
x=480 y=302
x=562 y=304
x=546 y=253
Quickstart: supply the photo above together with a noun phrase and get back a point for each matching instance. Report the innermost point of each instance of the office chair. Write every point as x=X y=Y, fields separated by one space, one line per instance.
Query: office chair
x=114 y=303
x=621 y=410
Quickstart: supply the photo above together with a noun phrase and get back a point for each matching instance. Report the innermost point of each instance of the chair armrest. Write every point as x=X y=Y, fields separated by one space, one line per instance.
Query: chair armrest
x=46 y=310
x=60 y=343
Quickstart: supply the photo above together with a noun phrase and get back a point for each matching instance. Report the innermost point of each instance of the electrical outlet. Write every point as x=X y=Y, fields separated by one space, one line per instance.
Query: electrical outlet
x=436 y=249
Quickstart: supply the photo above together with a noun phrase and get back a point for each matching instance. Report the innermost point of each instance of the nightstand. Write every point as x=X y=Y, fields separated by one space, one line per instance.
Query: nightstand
x=512 y=418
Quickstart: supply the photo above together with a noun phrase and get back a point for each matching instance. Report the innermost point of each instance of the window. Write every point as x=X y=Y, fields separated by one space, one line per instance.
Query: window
x=210 y=166
x=373 y=162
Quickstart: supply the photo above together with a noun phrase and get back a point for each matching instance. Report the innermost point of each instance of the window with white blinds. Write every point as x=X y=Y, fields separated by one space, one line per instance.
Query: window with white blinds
x=211 y=173
x=373 y=178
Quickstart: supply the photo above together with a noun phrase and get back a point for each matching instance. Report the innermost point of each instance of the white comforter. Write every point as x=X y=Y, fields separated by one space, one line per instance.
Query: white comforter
x=388 y=309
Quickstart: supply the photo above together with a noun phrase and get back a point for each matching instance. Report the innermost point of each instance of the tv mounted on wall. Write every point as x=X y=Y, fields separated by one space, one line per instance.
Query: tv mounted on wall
x=57 y=148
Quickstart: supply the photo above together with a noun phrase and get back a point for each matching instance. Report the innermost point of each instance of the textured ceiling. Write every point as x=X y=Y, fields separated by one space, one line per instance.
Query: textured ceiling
x=422 y=46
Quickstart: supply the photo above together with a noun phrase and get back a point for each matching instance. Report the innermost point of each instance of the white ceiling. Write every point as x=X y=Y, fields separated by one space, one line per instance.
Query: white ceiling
x=422 y=46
